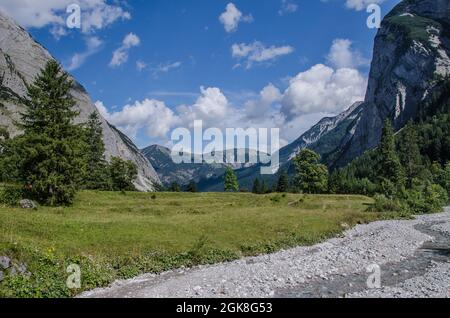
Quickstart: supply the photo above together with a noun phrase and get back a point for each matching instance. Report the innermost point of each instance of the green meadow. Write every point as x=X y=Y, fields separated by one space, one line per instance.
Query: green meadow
x=114 y=235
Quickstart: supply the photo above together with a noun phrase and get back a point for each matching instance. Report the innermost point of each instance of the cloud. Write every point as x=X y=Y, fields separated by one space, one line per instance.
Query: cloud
x=257 y=52
x=361 y=4
x=152 y=115
x=93 y=45
x=165 y=68
x=140 y=66
x=120 y=56
x=287 y=7
x=211 y=106
x=342 y=55
x=96 y=14
x=261 y=107
x=323 y=89
x=310 y=95
x=232 y=17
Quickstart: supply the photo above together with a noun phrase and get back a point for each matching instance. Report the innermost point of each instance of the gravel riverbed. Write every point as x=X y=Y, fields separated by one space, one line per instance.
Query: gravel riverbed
x=412 y=255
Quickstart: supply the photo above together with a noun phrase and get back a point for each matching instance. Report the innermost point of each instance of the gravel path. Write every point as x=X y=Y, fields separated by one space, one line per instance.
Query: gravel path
x=412 y=255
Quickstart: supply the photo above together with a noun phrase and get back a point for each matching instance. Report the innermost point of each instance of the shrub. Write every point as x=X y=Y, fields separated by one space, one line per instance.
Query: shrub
x=435 y=198
x=11 y=195
x=384 y=204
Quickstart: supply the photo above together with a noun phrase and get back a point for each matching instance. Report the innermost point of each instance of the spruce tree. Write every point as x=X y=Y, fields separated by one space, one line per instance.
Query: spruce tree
x=409 y=153
x=49 y=151
x=230 y=181
x=311 y=177
x=256 y=186
x=175 y=187
x=283 y=182
x=96 y=177
x=122 y=173
x=192 y=187
x=390 y=168
x=264 y=187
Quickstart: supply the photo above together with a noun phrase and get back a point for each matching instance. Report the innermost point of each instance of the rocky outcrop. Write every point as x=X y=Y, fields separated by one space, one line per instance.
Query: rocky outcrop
x=21 y=59
x=410 y=61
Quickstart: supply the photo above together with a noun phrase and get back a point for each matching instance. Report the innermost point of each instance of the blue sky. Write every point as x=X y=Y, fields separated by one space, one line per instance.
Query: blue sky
x=274 y=65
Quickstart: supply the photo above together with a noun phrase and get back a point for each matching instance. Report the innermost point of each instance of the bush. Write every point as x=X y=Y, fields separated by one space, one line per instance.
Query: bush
x=384 y=204
x=11 y=195
x=435 y=198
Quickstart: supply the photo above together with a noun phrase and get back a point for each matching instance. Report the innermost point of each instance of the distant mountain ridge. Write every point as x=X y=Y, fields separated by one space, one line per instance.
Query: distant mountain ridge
x=21 y=59
x=169 y=172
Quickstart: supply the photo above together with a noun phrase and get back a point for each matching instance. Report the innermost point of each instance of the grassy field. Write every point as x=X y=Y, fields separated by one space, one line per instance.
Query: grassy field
x=113 y=235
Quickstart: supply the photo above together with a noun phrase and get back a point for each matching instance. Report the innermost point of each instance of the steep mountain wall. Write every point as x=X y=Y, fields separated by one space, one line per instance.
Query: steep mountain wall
x=21 y=59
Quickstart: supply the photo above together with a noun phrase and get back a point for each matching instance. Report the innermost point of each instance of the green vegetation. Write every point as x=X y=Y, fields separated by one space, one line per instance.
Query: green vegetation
x=311 y=177
x=412 y=169
x=54 y=158
x=230 y=181
x=112 y=235
x=97 y=175
x=48 y=155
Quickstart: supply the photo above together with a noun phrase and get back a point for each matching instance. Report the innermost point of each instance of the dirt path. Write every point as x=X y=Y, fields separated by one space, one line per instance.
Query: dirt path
x=413 y=258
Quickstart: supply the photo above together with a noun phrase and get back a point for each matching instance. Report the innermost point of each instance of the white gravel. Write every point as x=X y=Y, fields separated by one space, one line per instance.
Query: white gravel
x=376 y=243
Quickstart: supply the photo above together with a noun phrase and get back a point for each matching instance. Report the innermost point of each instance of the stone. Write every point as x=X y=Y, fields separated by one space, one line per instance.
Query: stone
x=27 y=204
x=2 y=276
x=5 y=262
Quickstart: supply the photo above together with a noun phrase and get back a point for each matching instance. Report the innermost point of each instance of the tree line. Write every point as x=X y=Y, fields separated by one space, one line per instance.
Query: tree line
x=54 y=157
x=408 y=171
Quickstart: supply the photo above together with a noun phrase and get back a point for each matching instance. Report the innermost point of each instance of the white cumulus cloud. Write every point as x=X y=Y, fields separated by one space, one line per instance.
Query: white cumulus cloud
x=232 y=17
x=323 y=89
x=342 y=55
x=151 y=115
x=95 y=14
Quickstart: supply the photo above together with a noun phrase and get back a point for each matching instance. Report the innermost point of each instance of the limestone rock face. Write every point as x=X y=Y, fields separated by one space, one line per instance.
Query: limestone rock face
x=21 y=59
x=410 y=60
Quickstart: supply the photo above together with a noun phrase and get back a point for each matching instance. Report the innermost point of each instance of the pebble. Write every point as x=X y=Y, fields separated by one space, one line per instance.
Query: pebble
x=268 y=275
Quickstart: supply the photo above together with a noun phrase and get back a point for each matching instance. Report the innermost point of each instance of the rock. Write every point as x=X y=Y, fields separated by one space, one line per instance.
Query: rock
x=2 y=276
x=21 y=59
x=404 y=70
x=5 y=262
x=27 y=204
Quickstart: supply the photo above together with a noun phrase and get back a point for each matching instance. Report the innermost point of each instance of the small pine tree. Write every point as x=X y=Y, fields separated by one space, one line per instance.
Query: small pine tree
x=390 y=167
x=230 y=181
x=175 y=187
x=283 y=183
x=192 y=187
x=96 y=177
x=256 y=186
x=49 y=157
x=264 y=188
x=123 y=173
x=312 y=177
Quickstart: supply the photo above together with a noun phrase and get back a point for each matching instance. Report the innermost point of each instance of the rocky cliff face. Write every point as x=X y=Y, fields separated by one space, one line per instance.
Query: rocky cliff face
x=410 y=61
x=21 y=59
